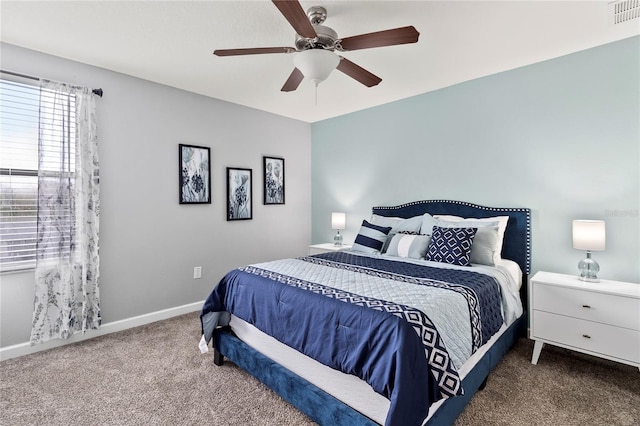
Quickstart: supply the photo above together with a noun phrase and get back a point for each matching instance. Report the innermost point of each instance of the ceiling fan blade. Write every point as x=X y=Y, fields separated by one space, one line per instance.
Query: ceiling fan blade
x=253 y=51
x=403 y=35
x=293 y=12
x=293 y=81
x=358 y=73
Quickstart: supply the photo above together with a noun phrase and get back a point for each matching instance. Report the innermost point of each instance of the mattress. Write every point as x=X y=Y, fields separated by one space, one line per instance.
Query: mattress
x=349 y=389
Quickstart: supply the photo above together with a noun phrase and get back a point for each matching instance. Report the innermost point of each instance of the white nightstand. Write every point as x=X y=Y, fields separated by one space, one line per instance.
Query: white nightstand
x=326 y=248
x=600 y=319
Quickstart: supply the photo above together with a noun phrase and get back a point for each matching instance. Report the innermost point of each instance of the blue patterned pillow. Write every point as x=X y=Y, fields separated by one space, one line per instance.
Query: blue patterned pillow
x=451 y=245
x=371 y=238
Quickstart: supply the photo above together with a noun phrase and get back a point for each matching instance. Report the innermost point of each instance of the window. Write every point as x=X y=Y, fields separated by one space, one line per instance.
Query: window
x=26 y=114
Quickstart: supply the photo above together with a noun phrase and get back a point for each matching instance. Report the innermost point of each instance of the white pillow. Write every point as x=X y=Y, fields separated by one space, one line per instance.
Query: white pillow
x=501 y=221
x=411 y=246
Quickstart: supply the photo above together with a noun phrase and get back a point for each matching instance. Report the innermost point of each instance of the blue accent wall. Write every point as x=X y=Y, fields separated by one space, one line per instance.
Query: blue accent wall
x=561 y=137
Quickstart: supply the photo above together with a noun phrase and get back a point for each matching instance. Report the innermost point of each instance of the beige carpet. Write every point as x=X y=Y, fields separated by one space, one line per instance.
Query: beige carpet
x=155 y=375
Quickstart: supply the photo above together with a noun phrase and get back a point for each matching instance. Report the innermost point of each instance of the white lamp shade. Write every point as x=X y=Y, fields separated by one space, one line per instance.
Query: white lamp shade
x=338 y=220
x=316 y=64
x=589 y=235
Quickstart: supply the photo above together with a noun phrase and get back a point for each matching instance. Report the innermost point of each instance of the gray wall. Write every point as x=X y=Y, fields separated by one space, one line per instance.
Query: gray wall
x=149 y=243
x=561 y=137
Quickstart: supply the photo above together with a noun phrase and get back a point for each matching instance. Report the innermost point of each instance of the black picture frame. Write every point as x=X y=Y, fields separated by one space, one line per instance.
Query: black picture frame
x=194 y=174
x=273 y=180
x=239 y=193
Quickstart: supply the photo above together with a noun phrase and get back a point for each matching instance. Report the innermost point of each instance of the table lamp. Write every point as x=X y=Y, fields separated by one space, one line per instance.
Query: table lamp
x=338 y=222
x=589 y=235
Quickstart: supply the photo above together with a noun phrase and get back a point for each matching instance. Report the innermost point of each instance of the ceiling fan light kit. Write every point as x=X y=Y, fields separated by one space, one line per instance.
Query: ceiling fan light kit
x=316 y=64
x=316 y=44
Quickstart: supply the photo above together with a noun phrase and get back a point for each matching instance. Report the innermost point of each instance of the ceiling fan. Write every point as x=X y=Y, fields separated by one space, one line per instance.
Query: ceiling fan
x=316 y=44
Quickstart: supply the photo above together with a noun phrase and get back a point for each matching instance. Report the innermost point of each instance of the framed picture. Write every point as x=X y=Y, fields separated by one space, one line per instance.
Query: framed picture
x=239 y=194
x=195 y=174
x=273 y=180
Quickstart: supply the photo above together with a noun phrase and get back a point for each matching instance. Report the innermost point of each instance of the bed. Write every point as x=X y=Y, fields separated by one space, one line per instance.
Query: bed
x=379 y=335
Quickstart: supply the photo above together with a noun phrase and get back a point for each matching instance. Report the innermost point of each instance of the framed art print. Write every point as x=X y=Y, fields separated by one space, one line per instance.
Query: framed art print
x=273 y=169
x=195 y=174
x=239 y=194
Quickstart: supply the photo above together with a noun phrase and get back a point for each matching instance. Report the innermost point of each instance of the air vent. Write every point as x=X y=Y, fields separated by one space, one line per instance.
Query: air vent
x=624 y=11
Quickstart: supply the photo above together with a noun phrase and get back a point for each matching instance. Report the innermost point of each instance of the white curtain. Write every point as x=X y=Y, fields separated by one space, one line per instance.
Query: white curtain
x=67 y=296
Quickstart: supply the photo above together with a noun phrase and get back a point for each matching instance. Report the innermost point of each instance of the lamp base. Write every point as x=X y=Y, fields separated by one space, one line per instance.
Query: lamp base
x=337 y=239
x=589 y=269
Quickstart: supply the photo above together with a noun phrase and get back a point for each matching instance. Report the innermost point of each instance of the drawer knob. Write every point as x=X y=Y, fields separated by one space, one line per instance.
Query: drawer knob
x=586 y=306
x=586 y=336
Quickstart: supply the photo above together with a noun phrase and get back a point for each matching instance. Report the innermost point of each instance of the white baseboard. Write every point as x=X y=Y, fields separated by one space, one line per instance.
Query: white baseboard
x=21 y=349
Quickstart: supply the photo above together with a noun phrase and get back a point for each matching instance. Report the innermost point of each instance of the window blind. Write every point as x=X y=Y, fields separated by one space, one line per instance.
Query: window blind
x=28 y=113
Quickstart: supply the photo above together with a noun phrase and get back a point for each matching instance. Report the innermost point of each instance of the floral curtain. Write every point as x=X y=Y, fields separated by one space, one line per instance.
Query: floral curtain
x=67 y=267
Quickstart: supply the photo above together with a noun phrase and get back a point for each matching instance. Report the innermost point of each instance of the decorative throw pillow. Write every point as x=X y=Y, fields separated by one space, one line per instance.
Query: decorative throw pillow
x=451 y=245
x=409 y=245
x=371 y=238
x=485 y=249
x=502 y=227
x=392 y=234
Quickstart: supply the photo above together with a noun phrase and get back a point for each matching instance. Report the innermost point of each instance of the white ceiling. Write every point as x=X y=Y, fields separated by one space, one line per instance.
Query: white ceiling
x=171 y=42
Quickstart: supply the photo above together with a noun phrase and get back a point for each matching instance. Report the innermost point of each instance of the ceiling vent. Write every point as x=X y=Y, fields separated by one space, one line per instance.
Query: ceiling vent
x=623 y=11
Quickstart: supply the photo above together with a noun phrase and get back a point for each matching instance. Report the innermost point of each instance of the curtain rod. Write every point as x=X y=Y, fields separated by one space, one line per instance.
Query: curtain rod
x=98 y=92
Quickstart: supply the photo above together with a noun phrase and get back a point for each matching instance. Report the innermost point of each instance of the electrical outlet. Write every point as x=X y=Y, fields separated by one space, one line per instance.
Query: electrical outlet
x=197 y=272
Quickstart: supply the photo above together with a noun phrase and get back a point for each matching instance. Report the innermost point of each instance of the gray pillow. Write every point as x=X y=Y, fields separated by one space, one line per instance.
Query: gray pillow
x=428 y=222
x=485 y=245
x=411 y=246
x=398 y=224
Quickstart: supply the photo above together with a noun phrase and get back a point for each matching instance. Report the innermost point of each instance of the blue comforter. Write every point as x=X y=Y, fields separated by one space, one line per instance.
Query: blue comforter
x=394 y=347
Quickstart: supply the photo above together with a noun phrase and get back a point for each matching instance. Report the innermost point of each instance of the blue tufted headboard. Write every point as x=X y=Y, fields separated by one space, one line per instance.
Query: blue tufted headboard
x=517 y=238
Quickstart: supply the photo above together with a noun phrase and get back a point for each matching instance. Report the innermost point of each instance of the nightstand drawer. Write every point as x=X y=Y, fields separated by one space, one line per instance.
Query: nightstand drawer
x=595 y=337
x=604 y=308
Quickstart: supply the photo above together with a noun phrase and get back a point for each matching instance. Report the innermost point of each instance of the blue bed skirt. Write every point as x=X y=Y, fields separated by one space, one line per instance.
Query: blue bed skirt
x=327 y=410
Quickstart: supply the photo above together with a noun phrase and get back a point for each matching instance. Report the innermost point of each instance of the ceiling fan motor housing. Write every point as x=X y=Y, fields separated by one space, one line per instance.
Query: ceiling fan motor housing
x=326 y=39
